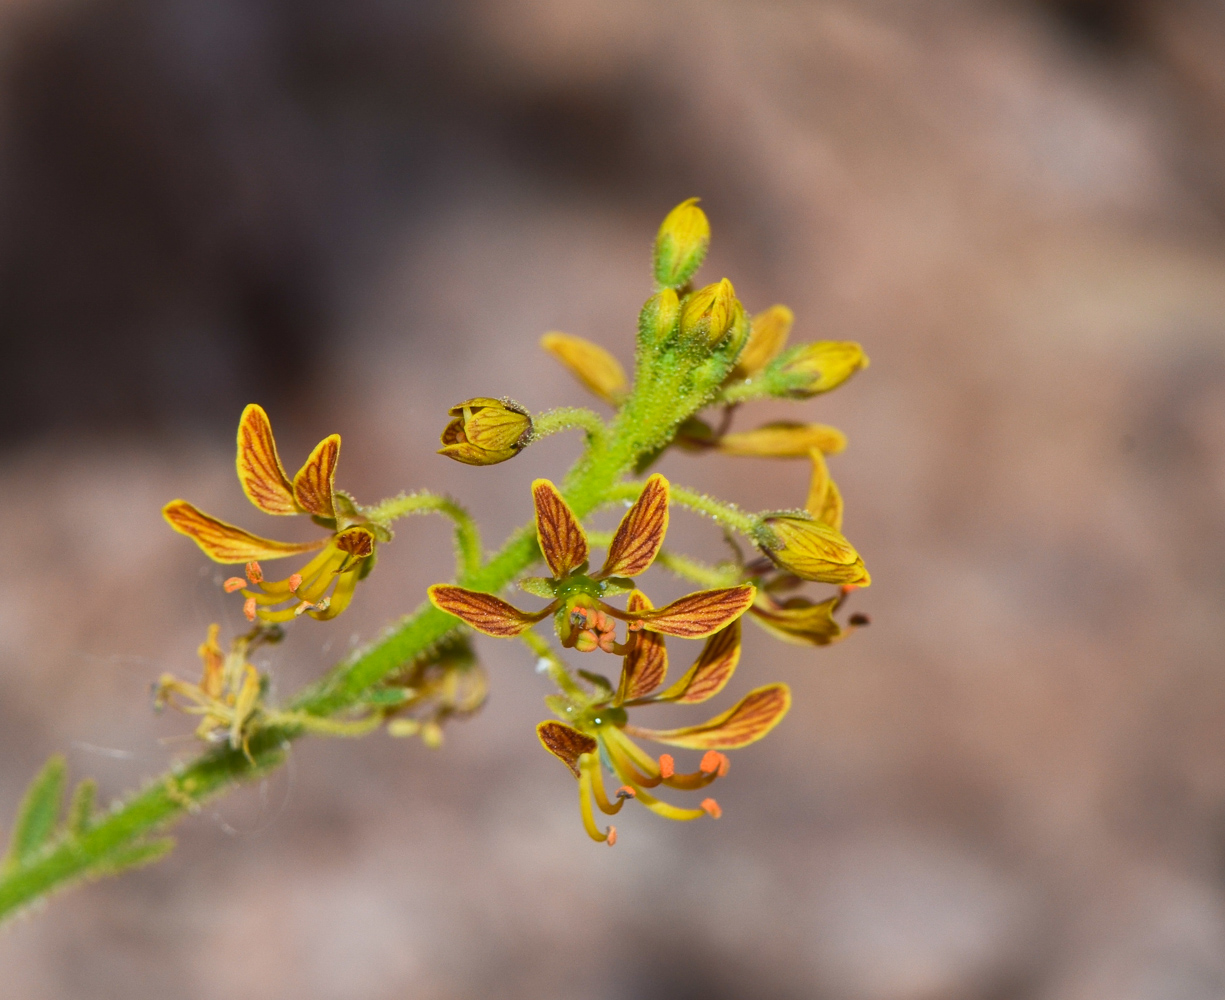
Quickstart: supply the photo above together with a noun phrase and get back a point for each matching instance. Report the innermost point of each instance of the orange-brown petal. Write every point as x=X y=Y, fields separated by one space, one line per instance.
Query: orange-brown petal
x=646 y=664
x=565 y=743
x=640 y=535
x=712 y=670
x=562 y=539
x=484 y=612
x=744 y=723
x=313 y=485
x=356 y=542
x=260 y=471
x=225 y=543
x=696 y=616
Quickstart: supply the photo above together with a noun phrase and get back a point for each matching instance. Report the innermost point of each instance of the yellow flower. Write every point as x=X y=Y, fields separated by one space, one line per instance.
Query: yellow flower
x=681 y=244
x=824 y=498
x=768 y=336
x=709 y=313
x=820 y=366
x=584 y=621
x=814 y=551
x=347 y=554
x=227 y=697
x=486 y=431
x=597 y=728
x=598 y=370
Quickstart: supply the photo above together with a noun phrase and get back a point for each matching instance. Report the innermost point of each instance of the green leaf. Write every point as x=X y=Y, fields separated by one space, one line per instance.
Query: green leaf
x=388 y=696
x=38 y=813
x=81 y=811
x=134 y=856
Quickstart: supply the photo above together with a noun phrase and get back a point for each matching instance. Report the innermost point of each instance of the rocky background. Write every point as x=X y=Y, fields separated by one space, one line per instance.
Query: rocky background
x=1011 y=786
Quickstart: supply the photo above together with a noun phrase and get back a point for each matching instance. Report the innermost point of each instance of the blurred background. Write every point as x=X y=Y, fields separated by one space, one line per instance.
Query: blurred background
x=1011 y=786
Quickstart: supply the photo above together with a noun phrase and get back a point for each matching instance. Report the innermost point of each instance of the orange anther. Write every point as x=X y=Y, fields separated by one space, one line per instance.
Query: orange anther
x=634 y=626
x=586 y=641
x=294 y=581
x=234 y=583
x=711 y=808
x=254 y=573
x=612 y=835
x=625 y=792
x=248 y=608
x=667 y=766
x=714 y=762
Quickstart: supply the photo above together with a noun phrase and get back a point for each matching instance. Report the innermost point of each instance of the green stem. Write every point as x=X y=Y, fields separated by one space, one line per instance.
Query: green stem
x=565 y=418
x=725 y=514
x=467 y=534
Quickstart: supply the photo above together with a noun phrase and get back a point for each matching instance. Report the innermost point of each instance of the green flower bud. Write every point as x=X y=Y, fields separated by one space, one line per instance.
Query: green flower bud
x=658 y=318
x=680 y=244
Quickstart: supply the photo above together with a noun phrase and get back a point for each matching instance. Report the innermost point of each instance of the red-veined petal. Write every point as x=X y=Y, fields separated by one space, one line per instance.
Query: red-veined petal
x=313 y=485
x=712 y=670
x=224 y=543
x=646 y=665
x=484 y=612
x=696 y=616
x=565 y=743
x=259 y=467
x=748 y=721
x=641 y=532
x=562 y=539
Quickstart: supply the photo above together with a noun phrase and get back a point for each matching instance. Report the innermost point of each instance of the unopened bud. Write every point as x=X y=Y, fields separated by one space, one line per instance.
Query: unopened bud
x=658 y=318
x=598 y=370
x=820 y=366
x=485 y=431
x=708 y=313
x=770 y=330
x=814 y=551
x=680 y=244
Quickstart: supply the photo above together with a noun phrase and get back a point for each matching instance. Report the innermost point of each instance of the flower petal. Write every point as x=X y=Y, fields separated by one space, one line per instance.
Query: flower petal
x=746 y=722
x=646 y=665
x=225 y=543
x=824 y=498
x=696 y=616
x=769 y=334
x=259 y=467
x=783 y=439
x=313 y=485
x=562 y=539
x=598 y=370
x=799 y=621
x=713 y=669
x=640 y=535
x=484 y=612
x=564 y=743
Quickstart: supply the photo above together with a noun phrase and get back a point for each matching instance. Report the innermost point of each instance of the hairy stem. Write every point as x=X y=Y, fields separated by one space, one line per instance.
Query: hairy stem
x=467 y=534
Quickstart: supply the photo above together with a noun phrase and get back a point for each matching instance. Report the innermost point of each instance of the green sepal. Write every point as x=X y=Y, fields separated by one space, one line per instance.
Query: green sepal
x=537 y=586
x=39 y=812
x=614 y=585
x=598 y=680
x=368 y=565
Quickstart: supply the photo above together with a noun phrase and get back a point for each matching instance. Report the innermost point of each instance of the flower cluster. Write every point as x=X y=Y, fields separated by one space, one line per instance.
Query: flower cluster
x=699 y=357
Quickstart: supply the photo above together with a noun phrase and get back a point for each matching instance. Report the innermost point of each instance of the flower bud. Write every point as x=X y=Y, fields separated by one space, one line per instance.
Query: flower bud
x=820 y=366
x=658 y=318
x=680 y=244
x=770 y=330
x=783 y=439
x=814 y=551
x=598 y=370
x=485 y=431
x=709 y=313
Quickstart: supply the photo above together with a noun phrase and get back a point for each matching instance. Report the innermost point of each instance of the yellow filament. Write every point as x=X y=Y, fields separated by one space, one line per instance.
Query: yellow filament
x=597 y=787
x=627 y=756
x=584 y=801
